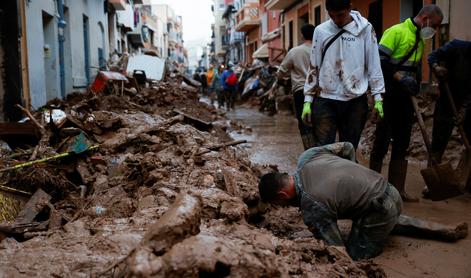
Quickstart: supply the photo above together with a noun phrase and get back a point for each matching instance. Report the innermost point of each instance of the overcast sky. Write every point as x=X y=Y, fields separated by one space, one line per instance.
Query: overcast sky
x=197 y=19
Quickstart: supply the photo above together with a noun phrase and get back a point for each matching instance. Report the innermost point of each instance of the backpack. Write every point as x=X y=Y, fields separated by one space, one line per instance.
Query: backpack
x=231 y=80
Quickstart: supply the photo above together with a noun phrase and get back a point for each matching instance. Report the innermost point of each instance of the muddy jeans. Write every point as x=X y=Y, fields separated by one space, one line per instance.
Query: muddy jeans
x=305 y=131
x=346 y=117
x=369 y=232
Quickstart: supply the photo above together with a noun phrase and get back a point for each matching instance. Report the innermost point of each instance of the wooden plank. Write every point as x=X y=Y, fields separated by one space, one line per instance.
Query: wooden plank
x=33 y=207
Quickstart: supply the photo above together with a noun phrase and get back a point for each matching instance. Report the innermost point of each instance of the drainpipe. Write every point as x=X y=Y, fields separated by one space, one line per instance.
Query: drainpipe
x=61 y=26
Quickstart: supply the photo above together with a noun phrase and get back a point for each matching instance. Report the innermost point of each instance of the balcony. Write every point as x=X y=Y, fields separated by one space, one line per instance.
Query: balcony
x=119 y=5
x=247 y=18
x=279 y=4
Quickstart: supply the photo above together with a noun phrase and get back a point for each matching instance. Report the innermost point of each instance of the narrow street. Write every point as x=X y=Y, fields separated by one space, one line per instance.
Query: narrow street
x=275 y=140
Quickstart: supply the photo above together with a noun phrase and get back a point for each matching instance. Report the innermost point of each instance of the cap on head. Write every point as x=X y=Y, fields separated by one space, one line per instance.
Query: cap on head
x=337 y=5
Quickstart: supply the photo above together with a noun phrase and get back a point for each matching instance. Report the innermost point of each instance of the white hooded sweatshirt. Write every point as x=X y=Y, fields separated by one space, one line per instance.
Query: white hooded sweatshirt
x=350 y=64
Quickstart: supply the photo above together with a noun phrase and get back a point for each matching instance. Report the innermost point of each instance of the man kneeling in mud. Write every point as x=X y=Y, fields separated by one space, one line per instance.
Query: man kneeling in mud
x=329 y=185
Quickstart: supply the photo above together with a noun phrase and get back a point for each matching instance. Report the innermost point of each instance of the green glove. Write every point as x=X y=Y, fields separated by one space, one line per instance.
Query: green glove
x=379 y=108
x=306 y=115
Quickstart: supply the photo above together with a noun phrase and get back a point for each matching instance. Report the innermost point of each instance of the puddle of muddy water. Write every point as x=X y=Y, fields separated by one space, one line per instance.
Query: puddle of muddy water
x=274 y=140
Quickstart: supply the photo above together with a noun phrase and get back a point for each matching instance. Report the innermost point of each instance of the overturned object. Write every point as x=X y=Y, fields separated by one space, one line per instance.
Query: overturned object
x=154 y=67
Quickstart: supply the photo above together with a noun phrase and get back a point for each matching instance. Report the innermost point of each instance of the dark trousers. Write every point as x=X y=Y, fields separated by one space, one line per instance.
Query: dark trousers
x=305 y=131
x=230 y=94
x=395 y=127
x=443 y=123
x=346 y=117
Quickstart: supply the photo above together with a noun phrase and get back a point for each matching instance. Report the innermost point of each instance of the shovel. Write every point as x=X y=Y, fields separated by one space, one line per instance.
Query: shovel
x=440 y=179
x=464 y=166
x=78 y=146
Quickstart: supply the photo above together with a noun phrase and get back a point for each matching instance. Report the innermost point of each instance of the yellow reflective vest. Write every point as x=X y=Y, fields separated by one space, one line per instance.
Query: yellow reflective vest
x=398 y=40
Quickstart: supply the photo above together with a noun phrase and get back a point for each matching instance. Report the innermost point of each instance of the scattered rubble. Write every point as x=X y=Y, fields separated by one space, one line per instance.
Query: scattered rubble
x=167 y=193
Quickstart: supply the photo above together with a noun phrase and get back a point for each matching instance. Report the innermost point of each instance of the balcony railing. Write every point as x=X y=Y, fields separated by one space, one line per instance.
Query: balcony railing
x=247 y=18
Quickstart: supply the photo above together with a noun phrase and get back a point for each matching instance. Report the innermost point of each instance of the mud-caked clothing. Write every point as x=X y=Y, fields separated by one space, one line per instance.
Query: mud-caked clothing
x=296 y=65
x=342 y=73
x=330 y=185
x=396 y=126
x=456 y=57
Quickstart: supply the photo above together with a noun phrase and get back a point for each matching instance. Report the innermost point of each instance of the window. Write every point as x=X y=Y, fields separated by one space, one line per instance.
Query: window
x=264 y=23
x=317 y=15
x=290 y=35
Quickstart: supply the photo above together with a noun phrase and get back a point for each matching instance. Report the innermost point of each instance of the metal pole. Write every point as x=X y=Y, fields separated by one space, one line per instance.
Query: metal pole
x=61 y=26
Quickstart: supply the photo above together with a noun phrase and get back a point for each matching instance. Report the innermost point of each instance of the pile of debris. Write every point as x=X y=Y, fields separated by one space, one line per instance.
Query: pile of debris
x=144 y=180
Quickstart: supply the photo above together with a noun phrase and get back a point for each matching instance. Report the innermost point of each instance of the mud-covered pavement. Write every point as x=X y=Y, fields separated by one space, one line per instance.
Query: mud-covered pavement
x=163 y=198
x=276 y=141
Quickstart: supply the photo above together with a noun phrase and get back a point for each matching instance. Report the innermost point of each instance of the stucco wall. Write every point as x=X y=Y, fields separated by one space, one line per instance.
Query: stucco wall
x=35 y=43
x=42 y=69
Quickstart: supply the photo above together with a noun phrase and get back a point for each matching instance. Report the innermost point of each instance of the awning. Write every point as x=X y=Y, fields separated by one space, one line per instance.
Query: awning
x=135 y=39
x=272 y=35
x=262 y=52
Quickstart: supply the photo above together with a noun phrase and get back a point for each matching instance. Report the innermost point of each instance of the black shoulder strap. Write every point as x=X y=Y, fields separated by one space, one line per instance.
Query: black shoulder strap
x=413 y=49
x=332 y=40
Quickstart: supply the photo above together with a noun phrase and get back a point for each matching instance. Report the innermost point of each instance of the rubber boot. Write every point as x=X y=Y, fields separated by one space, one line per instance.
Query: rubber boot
x=376 y=165
x=397 y=177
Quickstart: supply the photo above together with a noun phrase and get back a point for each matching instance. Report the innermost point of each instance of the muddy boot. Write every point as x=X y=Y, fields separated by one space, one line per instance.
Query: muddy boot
x=308 y=141
x=376 y=165
x=415 y=227
x=397 y=177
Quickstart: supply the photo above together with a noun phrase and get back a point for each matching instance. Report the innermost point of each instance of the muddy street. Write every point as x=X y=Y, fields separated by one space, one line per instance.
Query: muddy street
x=275 y=140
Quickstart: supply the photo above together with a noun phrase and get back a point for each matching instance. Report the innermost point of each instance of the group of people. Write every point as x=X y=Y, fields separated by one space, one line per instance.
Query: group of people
x=331 y=73
x=220 y=84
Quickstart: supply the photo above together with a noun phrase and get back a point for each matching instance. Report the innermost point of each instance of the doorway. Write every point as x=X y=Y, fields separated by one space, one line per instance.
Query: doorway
x=50 y=56
x=303 y=19
x=375 y=17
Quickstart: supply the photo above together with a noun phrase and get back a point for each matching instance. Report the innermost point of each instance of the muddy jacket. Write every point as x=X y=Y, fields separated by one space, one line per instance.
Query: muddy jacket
x=350 y=64
x=456 y=57
x=296 y=65
x=330 y=185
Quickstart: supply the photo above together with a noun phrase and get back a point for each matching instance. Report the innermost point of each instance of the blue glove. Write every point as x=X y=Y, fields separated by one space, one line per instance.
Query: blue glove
x=409 y=84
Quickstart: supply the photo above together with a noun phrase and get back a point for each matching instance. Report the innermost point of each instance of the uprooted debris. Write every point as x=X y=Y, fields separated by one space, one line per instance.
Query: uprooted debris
x=164 y=194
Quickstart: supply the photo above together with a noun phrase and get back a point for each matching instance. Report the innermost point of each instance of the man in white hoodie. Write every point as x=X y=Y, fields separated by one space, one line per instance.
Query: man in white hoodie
x=344 y=62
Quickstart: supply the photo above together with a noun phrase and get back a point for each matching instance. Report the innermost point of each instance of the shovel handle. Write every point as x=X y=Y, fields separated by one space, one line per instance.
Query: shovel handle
x=421 y=123
x=455 y=113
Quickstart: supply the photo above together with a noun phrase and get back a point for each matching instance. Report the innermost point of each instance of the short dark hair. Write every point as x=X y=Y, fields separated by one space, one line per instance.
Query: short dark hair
x=337 y=5
x=307 y=31
x=270 y=184
x=431 y=10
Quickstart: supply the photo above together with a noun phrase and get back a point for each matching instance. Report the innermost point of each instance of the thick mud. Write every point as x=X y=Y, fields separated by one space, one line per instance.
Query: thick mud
x=155 y=206
x=276 y=140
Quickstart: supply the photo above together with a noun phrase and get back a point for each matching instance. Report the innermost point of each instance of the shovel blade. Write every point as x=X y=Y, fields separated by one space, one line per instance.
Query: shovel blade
x=442 y=182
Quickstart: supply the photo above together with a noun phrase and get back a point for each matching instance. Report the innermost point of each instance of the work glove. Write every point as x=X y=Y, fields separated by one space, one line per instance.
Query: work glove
x=409 y=84
x=440 y=72
x=306 y=115
x=378 y=112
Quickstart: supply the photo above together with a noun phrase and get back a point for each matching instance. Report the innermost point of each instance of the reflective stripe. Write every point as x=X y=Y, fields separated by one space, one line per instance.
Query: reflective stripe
x=400 y=39
x=385 y=49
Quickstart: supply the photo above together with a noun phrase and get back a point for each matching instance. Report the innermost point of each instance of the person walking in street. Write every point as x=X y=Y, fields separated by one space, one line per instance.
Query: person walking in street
x=229 y=83
x=216 y=87
x=296 y=66
x=344 y=62
x=401 y=49
x=209 y=78
x=329 y=185
x=451 y=64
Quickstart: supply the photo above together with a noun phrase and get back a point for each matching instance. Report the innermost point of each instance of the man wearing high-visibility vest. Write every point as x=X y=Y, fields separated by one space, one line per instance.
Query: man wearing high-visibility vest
x=401 y=49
